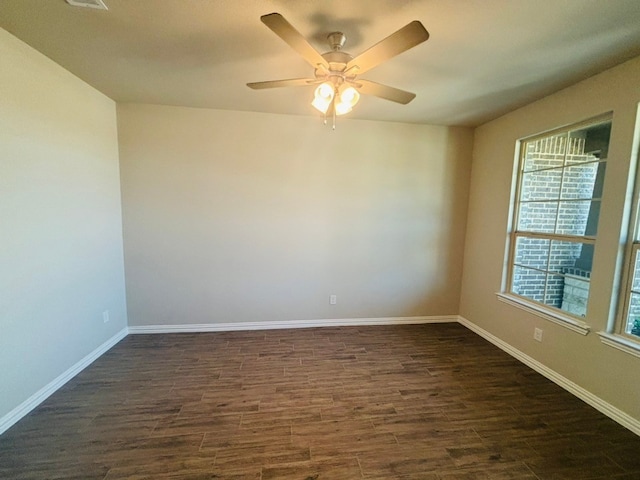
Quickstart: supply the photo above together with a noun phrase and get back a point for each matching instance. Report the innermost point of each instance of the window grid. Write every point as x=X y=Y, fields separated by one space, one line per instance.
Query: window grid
x=558 y=151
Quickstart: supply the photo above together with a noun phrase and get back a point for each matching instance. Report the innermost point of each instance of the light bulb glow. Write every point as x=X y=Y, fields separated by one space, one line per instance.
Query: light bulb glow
x=349 y=96
x=342 y=108
x=323 y=97
x=321 y=104
x=325 y=90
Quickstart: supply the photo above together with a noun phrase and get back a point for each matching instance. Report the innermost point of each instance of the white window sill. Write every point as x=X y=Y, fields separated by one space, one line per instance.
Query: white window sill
x=620 y=342
x=556 y=317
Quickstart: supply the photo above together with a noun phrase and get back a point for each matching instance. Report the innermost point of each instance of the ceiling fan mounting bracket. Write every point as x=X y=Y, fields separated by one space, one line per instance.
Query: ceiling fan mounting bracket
x=336 y=40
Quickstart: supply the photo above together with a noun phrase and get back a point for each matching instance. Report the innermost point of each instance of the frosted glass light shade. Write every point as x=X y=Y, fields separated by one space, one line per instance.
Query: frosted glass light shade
x=342 y=108
x=323 y=97
x=348 y=97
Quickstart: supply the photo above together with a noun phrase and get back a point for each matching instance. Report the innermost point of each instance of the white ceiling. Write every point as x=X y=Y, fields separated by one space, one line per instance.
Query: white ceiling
x=484 y=57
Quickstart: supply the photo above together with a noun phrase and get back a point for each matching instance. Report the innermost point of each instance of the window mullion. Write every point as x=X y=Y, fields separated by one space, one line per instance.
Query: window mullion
x=581 y=199
x=561 y=237
x=564 y=163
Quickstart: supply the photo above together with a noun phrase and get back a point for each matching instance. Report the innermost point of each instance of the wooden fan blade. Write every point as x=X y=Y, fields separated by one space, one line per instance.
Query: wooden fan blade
x=407 y=37
x=293 y=38
x=292 y=82
x=384 y=91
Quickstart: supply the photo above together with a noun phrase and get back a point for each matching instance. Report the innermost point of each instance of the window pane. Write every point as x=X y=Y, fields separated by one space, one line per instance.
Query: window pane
x=541 y=185
x=528 y=283
x=555 y=288
x=571 y=257
x=588 y=144
x=580 y=181
x=575 y=295
x=580 y=158
x=532 y=252
x=635 y=285
x=544 y=153
x=579 y=217
x=576 y=149
x=633 y=319
x=537 y=217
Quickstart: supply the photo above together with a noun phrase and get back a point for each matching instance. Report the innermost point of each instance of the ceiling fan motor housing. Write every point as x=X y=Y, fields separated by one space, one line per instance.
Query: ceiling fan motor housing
x=336 y=72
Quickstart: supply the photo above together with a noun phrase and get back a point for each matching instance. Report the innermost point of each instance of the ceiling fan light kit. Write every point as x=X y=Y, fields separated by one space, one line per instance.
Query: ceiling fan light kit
x=343 y=98
x=336 y=72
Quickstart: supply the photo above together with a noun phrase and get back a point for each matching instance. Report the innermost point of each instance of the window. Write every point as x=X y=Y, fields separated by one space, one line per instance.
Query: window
x=560 y=180
x=624 y=333
x=631 y=324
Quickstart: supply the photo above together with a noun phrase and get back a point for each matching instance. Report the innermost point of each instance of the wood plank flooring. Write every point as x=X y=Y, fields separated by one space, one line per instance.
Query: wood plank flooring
x=429 y=402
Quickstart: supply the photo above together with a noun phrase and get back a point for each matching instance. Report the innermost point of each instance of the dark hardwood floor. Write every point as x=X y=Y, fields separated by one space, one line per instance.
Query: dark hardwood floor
x=400 y=402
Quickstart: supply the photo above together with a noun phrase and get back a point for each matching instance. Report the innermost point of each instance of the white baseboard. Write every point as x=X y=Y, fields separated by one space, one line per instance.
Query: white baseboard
x=596 y=402
x=331 y=322
x=41 y=395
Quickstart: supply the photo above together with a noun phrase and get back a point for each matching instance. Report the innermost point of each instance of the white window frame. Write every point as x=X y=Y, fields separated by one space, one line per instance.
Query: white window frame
x=548 y=312
x=616 y=335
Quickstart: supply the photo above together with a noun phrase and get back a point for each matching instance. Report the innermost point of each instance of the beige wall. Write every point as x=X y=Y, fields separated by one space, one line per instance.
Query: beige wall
x=60 y=222
x=237 y=216
x=608 y=373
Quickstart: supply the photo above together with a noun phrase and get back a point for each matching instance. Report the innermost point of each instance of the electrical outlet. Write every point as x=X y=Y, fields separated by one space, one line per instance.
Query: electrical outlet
x=537 y=334
x=105 y=316
x=333 y=299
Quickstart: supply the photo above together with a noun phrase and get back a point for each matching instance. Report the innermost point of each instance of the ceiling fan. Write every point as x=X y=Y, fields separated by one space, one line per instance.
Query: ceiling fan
x=337 y=73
